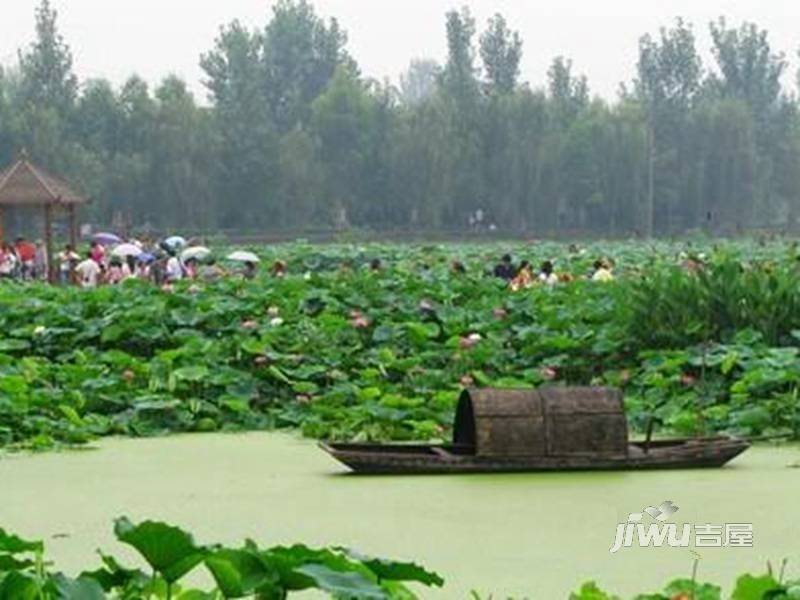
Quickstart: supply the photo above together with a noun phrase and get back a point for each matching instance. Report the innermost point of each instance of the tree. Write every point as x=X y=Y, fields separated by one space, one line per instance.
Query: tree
x=460 y=129
x=139 y=115
x=301 y=52
x=129 y=188
x=181 y=158
x=787 y=166
x=98 y=118
x=47 y=80
x=232 y=68
x=569 y=94
x=459 y=76
x=418 y=83
x=247 y=142
x=301 y=181
x=294 y=136
x=749 y=70
x=501 y=52
x=9 y=127
x=725 y=152
x=342 y=119
x=669 y=74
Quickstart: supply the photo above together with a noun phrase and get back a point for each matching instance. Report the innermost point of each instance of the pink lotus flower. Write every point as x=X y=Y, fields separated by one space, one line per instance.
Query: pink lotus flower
x=688 y=380
x=128 y=375
x=549 y=373
x=260 y=361
x=358 y=320
x=303 y=398
x=361 y=322
x=250 y=324
x=500 y=313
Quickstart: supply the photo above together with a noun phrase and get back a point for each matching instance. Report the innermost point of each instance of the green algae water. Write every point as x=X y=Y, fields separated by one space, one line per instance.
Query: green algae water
x=523 y=536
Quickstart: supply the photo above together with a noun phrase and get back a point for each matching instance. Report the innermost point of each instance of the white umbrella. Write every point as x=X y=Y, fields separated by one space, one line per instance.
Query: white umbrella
x=196 y=252
x=124 y=250
x=243 y=256
x=175 y=241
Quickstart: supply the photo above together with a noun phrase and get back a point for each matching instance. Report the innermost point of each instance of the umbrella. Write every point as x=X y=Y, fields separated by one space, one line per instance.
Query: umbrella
x=242 y=256
x=175 y=241
x=124 y=250
x=107 y=239
x=145 y=257
x=196 y=252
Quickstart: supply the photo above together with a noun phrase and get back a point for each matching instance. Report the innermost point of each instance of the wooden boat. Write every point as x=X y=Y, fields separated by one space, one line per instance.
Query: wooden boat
x=549 y=429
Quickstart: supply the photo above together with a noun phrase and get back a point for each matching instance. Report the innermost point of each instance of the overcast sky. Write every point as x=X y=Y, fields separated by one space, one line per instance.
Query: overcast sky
x=115 y=38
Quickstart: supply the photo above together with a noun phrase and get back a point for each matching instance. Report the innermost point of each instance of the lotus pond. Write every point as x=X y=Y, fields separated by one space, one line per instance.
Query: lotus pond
x=338 y=350
x=527 y=536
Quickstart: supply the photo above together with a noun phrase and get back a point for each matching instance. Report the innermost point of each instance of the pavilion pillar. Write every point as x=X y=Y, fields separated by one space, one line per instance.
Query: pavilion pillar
x=48 y=240
x=73 y=228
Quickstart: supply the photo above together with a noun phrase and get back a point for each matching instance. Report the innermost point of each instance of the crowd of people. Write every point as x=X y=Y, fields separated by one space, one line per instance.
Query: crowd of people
x=163 y=265
x=522 y=276
x=166 y=262
x=160 y=263
x=23 y=260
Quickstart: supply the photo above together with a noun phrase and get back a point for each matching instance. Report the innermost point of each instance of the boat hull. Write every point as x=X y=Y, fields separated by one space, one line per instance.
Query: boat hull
x=432 y=459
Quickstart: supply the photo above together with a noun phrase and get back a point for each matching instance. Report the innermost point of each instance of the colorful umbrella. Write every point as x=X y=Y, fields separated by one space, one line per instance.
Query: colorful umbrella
x=107 y=239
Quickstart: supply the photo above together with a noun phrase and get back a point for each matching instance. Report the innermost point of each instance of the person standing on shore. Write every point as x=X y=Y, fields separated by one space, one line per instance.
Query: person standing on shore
x=88 y=272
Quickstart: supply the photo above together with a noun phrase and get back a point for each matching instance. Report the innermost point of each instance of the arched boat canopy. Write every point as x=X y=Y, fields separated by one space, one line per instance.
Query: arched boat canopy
x=550 y=421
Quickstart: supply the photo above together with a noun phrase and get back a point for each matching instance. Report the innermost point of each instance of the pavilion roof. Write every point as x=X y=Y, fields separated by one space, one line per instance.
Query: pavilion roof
x=25 y=184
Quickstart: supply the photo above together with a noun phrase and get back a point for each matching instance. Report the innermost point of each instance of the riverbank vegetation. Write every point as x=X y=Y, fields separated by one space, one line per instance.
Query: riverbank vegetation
x=341 y=350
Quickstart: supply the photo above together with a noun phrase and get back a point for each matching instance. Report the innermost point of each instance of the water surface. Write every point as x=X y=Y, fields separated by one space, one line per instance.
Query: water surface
x=527 y=536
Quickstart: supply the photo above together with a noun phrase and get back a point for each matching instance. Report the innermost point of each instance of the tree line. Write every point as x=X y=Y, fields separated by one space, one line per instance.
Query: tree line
x=294 y=136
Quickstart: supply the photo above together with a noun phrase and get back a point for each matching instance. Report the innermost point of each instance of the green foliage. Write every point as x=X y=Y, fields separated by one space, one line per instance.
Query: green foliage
x=748 y=587
x=171 y=553
x=671 y=309
x=349 y=353
x=296 y=137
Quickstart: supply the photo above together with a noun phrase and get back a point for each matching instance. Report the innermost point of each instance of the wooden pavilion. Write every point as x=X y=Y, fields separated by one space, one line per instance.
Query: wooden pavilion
x=24 y=185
